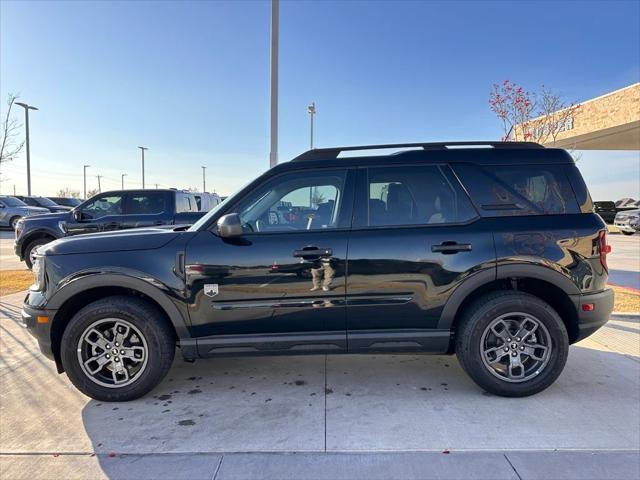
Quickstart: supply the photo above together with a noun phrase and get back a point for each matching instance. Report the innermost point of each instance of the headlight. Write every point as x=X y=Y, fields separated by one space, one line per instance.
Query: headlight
x=38 y=273
x=19 y=226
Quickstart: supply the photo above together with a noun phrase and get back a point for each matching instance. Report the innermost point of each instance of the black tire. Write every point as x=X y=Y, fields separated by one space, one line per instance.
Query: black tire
x=627 y=233
x=477 y=318
x=143 y=316
x=38 y=242
x=13 y=222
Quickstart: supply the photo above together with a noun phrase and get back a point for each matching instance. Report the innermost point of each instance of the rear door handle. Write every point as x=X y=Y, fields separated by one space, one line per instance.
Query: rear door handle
x=448 y=248
x=313 y=252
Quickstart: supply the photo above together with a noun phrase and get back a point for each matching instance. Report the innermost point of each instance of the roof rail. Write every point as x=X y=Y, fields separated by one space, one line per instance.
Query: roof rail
x=334 y=152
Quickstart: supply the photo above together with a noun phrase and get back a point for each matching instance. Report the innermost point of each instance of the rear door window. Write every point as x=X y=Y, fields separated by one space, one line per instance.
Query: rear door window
x=499 y=190
x=147 y=203
x=415 y=195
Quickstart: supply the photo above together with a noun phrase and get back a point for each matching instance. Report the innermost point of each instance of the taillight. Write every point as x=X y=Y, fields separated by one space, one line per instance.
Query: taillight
x=604 y=248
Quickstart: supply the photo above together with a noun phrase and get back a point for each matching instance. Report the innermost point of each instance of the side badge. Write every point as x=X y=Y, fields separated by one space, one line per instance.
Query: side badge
x=211 y=289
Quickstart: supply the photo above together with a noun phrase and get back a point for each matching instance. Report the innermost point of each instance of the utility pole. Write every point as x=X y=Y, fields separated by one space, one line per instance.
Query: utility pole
x=156 y=186
x=14 y=189
x=312 y=111
x=275 y=20
x=99 y=187
x=204 y=181
x=26 y=127
x=142 y=149
x=84 y=169
x=122 y=180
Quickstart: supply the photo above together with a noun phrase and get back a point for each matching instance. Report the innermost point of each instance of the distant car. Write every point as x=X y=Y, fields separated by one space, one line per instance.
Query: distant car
x=117 y=210
x=628 y=221
x=66 y=201
x=43 y=202
x=607 y=210
x=206 y=201
x=13 y=209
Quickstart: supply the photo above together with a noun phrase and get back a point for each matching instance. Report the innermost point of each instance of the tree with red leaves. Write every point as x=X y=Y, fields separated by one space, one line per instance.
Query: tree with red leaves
x=530 y=117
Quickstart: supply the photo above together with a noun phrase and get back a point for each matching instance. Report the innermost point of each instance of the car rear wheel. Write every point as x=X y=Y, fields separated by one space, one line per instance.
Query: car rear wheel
x=117 y=349
x=30 y=251
x=512 y=344
x=627 y=233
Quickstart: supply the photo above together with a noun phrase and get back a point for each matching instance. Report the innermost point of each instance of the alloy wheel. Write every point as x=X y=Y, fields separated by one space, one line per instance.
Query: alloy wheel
x=516 y=347
x=112 y=352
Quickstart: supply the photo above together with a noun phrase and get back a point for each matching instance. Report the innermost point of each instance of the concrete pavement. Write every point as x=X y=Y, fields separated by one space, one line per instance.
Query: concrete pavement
x=624 y=260
x=8 y=259
x=317 y=417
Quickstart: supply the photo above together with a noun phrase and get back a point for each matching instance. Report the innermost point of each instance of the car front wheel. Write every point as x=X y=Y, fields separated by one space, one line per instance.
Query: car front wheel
x=13 y=223
x=117 y=349
x=512 y=343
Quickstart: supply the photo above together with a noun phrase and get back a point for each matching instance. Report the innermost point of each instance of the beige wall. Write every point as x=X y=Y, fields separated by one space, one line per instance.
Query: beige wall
x=609 y=122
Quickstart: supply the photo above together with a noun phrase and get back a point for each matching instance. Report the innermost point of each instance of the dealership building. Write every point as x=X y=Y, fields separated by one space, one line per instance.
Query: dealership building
x=607 y=122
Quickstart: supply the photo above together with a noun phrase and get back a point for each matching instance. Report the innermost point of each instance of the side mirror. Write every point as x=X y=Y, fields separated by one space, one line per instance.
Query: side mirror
x=229 y=226
x=77 y=215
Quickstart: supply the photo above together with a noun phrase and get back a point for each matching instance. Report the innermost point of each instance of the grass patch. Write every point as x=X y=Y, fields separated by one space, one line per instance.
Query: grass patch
x=626 y=301
x=12 y=281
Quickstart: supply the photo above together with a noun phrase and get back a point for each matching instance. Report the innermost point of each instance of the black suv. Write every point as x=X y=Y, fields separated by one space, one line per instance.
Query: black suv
x=490 y=251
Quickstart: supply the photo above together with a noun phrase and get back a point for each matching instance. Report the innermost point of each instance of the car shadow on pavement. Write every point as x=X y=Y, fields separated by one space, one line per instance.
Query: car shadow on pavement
x=625 y=278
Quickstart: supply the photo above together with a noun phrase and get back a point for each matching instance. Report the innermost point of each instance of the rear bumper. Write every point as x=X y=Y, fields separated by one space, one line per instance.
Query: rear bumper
x=590 y=321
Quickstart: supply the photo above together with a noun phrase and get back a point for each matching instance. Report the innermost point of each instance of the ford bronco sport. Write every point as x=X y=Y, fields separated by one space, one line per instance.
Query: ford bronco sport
x=487 y=250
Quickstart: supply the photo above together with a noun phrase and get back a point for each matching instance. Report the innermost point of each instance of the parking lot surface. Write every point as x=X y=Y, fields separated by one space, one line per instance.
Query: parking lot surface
x=246 y=410
x=624 y=260
x=8 y=259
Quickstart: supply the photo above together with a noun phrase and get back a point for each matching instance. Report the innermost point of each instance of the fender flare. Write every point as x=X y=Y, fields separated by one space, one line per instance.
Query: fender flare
x=96 y=280
x=484 y=277
x=461 y=292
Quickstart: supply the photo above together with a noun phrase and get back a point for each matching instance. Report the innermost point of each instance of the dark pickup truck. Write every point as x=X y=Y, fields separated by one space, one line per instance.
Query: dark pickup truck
x=108 y=211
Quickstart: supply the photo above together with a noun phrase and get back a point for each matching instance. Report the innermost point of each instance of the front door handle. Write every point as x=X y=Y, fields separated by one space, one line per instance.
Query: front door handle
x=447 y=248
x=313 y=252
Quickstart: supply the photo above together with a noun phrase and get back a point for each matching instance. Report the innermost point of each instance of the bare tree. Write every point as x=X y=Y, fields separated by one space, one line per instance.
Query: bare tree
x=534 y=117
x=10 y=145
x=68 y=193
x=92 y=193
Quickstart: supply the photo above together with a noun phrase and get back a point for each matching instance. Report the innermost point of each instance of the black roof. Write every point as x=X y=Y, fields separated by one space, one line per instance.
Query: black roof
x=484 y=153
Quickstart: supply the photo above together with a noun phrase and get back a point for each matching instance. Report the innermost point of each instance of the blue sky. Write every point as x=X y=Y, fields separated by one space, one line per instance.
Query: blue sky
x=190 y=80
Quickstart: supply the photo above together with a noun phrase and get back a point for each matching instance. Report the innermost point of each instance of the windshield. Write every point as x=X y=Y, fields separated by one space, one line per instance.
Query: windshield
x=13 y=202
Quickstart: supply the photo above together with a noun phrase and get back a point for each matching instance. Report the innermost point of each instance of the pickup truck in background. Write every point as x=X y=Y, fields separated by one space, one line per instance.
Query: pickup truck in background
x=108 y=211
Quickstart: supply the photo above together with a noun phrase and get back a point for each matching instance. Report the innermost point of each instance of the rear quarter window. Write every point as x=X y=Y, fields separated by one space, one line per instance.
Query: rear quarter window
x=507 y=190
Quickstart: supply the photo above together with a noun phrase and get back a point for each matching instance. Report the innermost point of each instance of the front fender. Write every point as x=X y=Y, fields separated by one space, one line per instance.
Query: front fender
x=82 y=282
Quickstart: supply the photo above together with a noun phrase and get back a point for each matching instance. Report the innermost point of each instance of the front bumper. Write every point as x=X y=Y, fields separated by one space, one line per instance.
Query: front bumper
x=627 y=226
x=590 y=321
x=38 y=323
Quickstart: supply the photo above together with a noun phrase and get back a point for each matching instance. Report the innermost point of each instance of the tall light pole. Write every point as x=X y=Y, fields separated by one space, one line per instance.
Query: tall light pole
x=84 y=170
x=122 y=180
x=142 y=149
x=312 y=111
x=204 y=181
x=26 y=127
x=275 y=16
x=99 y=187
